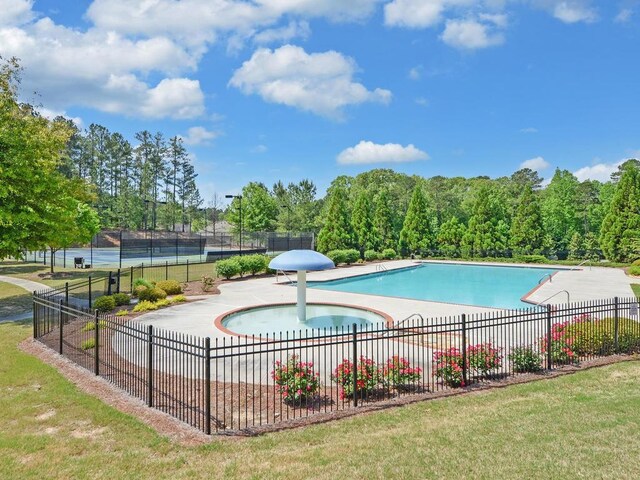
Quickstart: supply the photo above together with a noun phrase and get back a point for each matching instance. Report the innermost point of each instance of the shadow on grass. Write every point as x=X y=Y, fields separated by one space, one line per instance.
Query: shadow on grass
x=17 y=268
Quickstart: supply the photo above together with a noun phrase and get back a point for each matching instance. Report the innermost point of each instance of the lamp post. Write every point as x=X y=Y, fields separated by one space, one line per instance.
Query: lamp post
x=239 y=197
x=288 y=207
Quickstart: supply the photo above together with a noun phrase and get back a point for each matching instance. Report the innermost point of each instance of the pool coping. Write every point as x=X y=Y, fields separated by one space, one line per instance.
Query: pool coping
x=389 y=322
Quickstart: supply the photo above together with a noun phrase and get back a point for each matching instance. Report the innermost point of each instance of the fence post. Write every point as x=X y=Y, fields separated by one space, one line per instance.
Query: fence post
x=166 y=270
x=465 y=373
x=35 y=315
x=207 y=386
x=142 y=270
x=109 y=284
x=61 y=322
x=96 y=349
x=150 y=365
x=549 y=352
x=131 y=279
x=187 y=270
x=118 y=281
x=90 y=302
x=616 y=325
x=66 y=292
x=354 y=328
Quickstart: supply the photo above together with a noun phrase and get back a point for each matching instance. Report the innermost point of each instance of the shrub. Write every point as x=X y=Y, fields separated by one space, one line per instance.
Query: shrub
x=371 y=256
x=142 y=282
x=448 y=367
x=145 y=306
x=398 y=373
x=254 y=263
x=388 y=254
x=531 y=258
x=351 y=256
x=138 y=289
x=337 y=256
x=636 y=263
x=179 y=299
x=597 y=337
x=104 y=304
x=296 y=380
x=152 y=294
x=525 y=359
x=171 y=287
x=483 y=358
x=163 y=302
x=90 y=326
x=228 y=268
x=366 y=377
x=207 y=283
x=88 y=344
x=634 y=270
x=121 y=299
x=561 y=347
x=122 y=313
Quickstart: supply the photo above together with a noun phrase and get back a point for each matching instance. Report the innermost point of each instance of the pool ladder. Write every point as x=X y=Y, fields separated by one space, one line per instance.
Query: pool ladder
x=557 y=293
x=550 y=275
x=278 y=272
x=381 y=268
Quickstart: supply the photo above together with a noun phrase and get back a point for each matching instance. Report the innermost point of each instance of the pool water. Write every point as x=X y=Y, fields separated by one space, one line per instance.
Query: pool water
x=277 y=318
x=480 y=285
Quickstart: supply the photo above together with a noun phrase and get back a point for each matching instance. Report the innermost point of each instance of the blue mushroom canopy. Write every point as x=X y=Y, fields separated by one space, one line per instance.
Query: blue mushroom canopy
x=296 y=260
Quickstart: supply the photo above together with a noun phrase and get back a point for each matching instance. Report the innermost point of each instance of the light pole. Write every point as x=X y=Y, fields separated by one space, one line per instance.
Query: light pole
x=239 y=197
x=288 y=207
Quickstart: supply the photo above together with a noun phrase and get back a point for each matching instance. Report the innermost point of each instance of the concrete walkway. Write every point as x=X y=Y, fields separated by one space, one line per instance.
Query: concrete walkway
x=197 y=318
x=29 y=286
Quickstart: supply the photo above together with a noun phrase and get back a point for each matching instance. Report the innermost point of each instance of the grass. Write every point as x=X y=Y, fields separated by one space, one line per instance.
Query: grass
x=636 y=289
x=14 y=300
x=578 y=426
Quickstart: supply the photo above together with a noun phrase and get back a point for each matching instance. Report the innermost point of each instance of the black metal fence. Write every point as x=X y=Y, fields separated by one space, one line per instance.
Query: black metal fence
x=231 y=384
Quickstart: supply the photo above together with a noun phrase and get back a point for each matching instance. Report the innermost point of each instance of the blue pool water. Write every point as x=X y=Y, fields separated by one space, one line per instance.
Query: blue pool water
x=486 y=286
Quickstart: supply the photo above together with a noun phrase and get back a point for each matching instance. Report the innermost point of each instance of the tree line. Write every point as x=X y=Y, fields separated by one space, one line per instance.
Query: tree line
x=458 y=217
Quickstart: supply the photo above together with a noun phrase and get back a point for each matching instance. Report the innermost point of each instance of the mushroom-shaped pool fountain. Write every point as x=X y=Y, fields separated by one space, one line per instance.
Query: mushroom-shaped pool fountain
x=267 y=319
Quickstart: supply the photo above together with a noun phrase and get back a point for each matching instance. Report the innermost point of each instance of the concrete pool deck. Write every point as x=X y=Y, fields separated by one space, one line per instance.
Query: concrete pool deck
x=197 y=318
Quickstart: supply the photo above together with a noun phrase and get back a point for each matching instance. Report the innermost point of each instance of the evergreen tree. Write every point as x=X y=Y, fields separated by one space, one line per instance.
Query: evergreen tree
x=488 y=231
x=383 y=220
x=365 y=232
x=336 y=232
x=620 y=234
x=527 y=232
x=449 y=238
x=576 y=247
x=559 y=210
x=417 y=234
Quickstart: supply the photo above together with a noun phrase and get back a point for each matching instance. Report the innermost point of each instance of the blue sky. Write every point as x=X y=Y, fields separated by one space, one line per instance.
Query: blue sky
x=290 y=89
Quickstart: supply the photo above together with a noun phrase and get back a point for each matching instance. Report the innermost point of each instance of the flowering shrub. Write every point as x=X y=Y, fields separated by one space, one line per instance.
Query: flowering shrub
x=562 y=340
x=296 y=380
x=448 y=367
x=483 y=358
x=525 y=359
x=399 y=373
x=367 y=377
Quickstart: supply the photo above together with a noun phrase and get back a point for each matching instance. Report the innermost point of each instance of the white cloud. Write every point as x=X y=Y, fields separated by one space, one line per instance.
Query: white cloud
x=414 y=13
x=537 y=164
x=569 y=11
x=199 y=136
x=423 y=102
x=599 y=171
x=367 y=152
x=470 y=34
x=623 y=15
x=284 y=34
x=14 y=12
x=321 y=83
x=529 y=130
x=416 y=72
x=52 y=114
x=259 y=149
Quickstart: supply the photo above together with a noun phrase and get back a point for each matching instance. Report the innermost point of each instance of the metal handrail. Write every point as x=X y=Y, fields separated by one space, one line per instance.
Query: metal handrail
x=416 y=316
x=283 y=273
x=381 y=268
x=557 y=293
x=550 y=275
x=583 y=263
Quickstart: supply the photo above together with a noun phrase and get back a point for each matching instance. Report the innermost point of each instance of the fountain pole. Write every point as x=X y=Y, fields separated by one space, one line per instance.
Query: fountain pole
x=302 y=295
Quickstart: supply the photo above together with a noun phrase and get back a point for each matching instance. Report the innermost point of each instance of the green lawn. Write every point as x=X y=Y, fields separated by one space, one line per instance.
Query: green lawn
x=636 y=289
x=585 y=425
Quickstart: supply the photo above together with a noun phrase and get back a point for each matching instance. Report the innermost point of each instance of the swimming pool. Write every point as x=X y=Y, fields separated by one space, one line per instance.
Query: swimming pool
x=480 y=285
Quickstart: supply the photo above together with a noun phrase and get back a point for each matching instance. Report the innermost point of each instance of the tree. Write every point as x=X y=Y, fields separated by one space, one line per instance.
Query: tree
x=488 y=231
x=383 y=220
x=527 y=231
x=38 y=203
x=366 y=234
x=559 y=216
x=336 y=232
x=417 y=234
x=620 y=233
x=449 y=238
x=259 y=209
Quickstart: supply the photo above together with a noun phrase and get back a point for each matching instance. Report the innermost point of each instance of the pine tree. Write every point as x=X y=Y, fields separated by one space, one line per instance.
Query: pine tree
x=366 y=234
x=559 y=204
x=449 y=238
x=488 y=230
x=527 y=232
x=620 y=233
x=336 y=233
x=576 y=247
x=417 y=234
x=383 y=220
